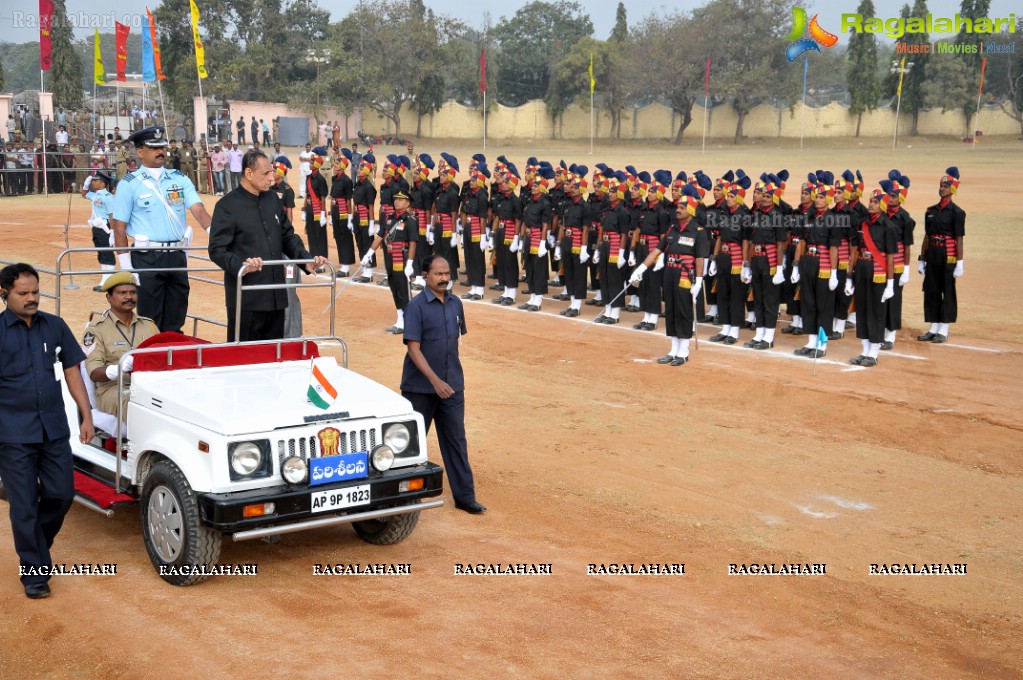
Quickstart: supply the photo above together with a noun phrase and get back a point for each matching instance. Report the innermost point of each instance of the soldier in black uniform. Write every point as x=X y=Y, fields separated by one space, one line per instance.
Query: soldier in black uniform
x=507 y=216
x=846 y=203
x=445 y=212
x=764 y=245
x=684 y=249
x=614 y=234
x=537 y=216
x=421 y=193
x=599 y=204
x=803 y=212
x=653 y=225
x=364 y=195
x=904 y=225
x=342 y=191
x=728 y=264
x=316 y=208
x=394 y=181
x=398 y=236
x=714 y=215
x=558 y=197
x=815 y=261
x=941 y=258
x=283 y=189
x=873 y=266
x=475 y=211
x=572 y=239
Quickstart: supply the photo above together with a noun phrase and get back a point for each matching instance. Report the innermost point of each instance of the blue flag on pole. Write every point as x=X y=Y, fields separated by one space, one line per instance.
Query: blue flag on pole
x=148 y=63
x=806 y=68
x=822 y=338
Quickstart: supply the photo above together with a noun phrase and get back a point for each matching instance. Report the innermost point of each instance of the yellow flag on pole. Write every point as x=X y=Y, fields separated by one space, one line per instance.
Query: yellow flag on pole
x=902 y=72
x=200 y=51
x=592 y=81
x=99 y=74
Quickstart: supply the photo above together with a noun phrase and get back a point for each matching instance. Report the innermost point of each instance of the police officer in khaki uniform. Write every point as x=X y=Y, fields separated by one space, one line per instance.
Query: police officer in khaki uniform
x=187 y=156
x=119 y=330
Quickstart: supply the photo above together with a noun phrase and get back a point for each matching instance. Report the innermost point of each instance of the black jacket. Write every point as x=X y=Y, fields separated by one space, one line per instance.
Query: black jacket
x=247 y=226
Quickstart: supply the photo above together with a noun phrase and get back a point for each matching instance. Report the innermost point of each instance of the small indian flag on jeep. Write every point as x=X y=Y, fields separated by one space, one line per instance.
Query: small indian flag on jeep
x=321 y=391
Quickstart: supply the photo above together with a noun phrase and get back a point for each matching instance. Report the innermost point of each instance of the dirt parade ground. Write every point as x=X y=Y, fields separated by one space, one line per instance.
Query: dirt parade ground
x=595 y=460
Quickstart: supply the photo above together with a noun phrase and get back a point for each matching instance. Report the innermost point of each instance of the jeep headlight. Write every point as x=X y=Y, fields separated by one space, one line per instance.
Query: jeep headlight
x=248 y=459
x=397 y=437
x=382 y=458
x=294 y=470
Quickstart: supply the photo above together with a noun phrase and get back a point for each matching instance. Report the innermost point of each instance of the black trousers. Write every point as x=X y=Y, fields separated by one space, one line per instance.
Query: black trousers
x=39 y=480
x=449 y=415
x=442 y=246
x=343 y=237
x=678 y=305
x=316 y=235
x=731 y=293
x=893 y=308
x=163 y=296
x=507 y=264
x=650 y=286
x=870 y=311
x=788 y=289
x=766 y=294
x=940 y=303
x=612 y=278
x=841 y=299
x=817 y=303
x=475 y=260
x=575 y=271
x=256 y=325
x=399 y=285
x=364 y=240
x=423 y=248
x=101 y=239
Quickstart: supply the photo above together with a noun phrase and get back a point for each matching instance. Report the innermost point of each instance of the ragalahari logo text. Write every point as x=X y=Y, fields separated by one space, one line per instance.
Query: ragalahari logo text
x=818 y=36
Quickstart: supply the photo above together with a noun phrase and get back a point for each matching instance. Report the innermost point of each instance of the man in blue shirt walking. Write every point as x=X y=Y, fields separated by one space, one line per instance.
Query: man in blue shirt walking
x=432 y=377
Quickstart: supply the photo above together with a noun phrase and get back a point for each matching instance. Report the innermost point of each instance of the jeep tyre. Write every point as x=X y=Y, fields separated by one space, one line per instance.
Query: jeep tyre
x=387 y=531
x=174 y=536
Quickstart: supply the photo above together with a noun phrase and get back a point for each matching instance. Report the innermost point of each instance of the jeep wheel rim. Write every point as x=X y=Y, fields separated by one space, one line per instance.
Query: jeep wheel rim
x=165 y=525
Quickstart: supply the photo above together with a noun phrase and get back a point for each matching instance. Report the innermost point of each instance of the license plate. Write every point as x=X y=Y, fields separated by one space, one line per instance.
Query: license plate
x=339 y=468
x=324 y=501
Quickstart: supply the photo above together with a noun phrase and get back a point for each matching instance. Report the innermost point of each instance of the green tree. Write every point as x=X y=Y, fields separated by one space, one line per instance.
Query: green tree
x=916 y=69
x=973 y=10
x=1012 y=103
x=620 y=32
x=951 y=85
x=1 y=75
x=861 y=74
x=66 y=69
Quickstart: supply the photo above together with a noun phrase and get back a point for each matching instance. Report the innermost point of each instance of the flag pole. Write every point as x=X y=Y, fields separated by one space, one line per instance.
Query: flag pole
x=484 y=120
x=802 y=118
x=592 y=117
x=980 y=93
x=706 y=103
x=42 y=120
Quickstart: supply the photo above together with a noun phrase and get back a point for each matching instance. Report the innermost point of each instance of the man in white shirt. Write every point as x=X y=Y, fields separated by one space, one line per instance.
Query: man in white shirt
x=234 y=164
x=304 y=167
x=61 y=136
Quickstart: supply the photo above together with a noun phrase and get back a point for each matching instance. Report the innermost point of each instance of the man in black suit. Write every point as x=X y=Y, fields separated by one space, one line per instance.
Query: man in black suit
x=250 y=225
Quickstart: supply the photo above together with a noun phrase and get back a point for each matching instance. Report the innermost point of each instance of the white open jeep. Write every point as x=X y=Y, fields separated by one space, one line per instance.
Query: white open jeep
x=222 y=439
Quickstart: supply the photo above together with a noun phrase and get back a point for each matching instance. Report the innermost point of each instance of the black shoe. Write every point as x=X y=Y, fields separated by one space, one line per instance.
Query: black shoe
x=938 y=339
x=37 y=591
x=887 y=346
x=706 y=319
x=849 y=324
x=563 y=297
x=803 y=351
x=666 y=359
x=631 y=308
x=416 y=287
x=496 y=286
x=508 y=302
x=491 y=276
x=571 y=312
x=475 y=296
x=678 y=361
x=467 y=296
x=555 y=282
x=868 y=361
x=729 y=340
x=343 y=275
x=525 y=305
x=610 y=321
x=594 y=303
x=472 y=507
x=464 y=284
x=97 y=289
x=763 y=344
x=461 y=272
x=817 y=353
x=926 y=337
x=720 y=337
x=750 y=343
x=361 y=279
x=857 y=361
x=499 y=300
x=522 y=279
x=750 y=325
x=835 y=336
x=394 y=330
x=601 y=319
x=532 y=308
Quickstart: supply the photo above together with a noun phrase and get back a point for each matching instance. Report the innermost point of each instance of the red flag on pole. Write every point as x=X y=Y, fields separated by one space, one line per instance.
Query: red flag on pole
x=45 y=25
x=483 y=69
x=156 y=46
x=983 y=65
x=706 y=81
x=121 y=49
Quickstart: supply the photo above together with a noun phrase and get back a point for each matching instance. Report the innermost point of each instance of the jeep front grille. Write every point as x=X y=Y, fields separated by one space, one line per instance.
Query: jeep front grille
x=309 y=447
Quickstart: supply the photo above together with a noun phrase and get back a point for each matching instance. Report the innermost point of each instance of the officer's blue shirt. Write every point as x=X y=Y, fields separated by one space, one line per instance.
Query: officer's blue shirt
x=138 y=204
x=31 y=403
x=102 y=204
x=436 y=326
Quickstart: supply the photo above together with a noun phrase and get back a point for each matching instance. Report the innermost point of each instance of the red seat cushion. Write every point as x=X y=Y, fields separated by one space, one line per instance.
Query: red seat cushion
x=216 y=355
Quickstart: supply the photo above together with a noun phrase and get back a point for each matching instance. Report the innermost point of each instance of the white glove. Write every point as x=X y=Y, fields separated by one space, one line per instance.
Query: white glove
x=458 y=227
x=778 y=277
x=127 y=363
x=429 y=235
x=541 y=248
x=351 y=224
x=584 y=255
x=484 y=243
x=632 y=259
x=958 y=271
x=367 y=258
x=515 y=245
x=746 y=275
x=697 y=287
x=833 y=280
x=889 y=291
x=596 y=256
x=188 y=236
x=921 y=267
x=621 y=257
x=659 y=264
x=557 y=252
x=408 y=270
x=111 y=372
x=795 y=275
x=904 y=277
x=124 y=260
x=323 y=218
x=551 y=239
x=849 y=288
x=784 y=262
x=637 y=275
x=372 y=226
x=454 y=240
x=87 y=184
x=713 y=269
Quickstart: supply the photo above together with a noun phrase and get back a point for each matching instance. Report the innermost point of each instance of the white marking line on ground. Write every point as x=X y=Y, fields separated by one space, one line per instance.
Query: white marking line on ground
x=805 y=509
x=844 y=503
x=854 y=368
x=904 y=356
x=643 y=361
x=975 y=349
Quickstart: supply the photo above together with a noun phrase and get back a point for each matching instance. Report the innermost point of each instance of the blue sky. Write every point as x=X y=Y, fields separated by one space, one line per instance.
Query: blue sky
x=602 y=12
